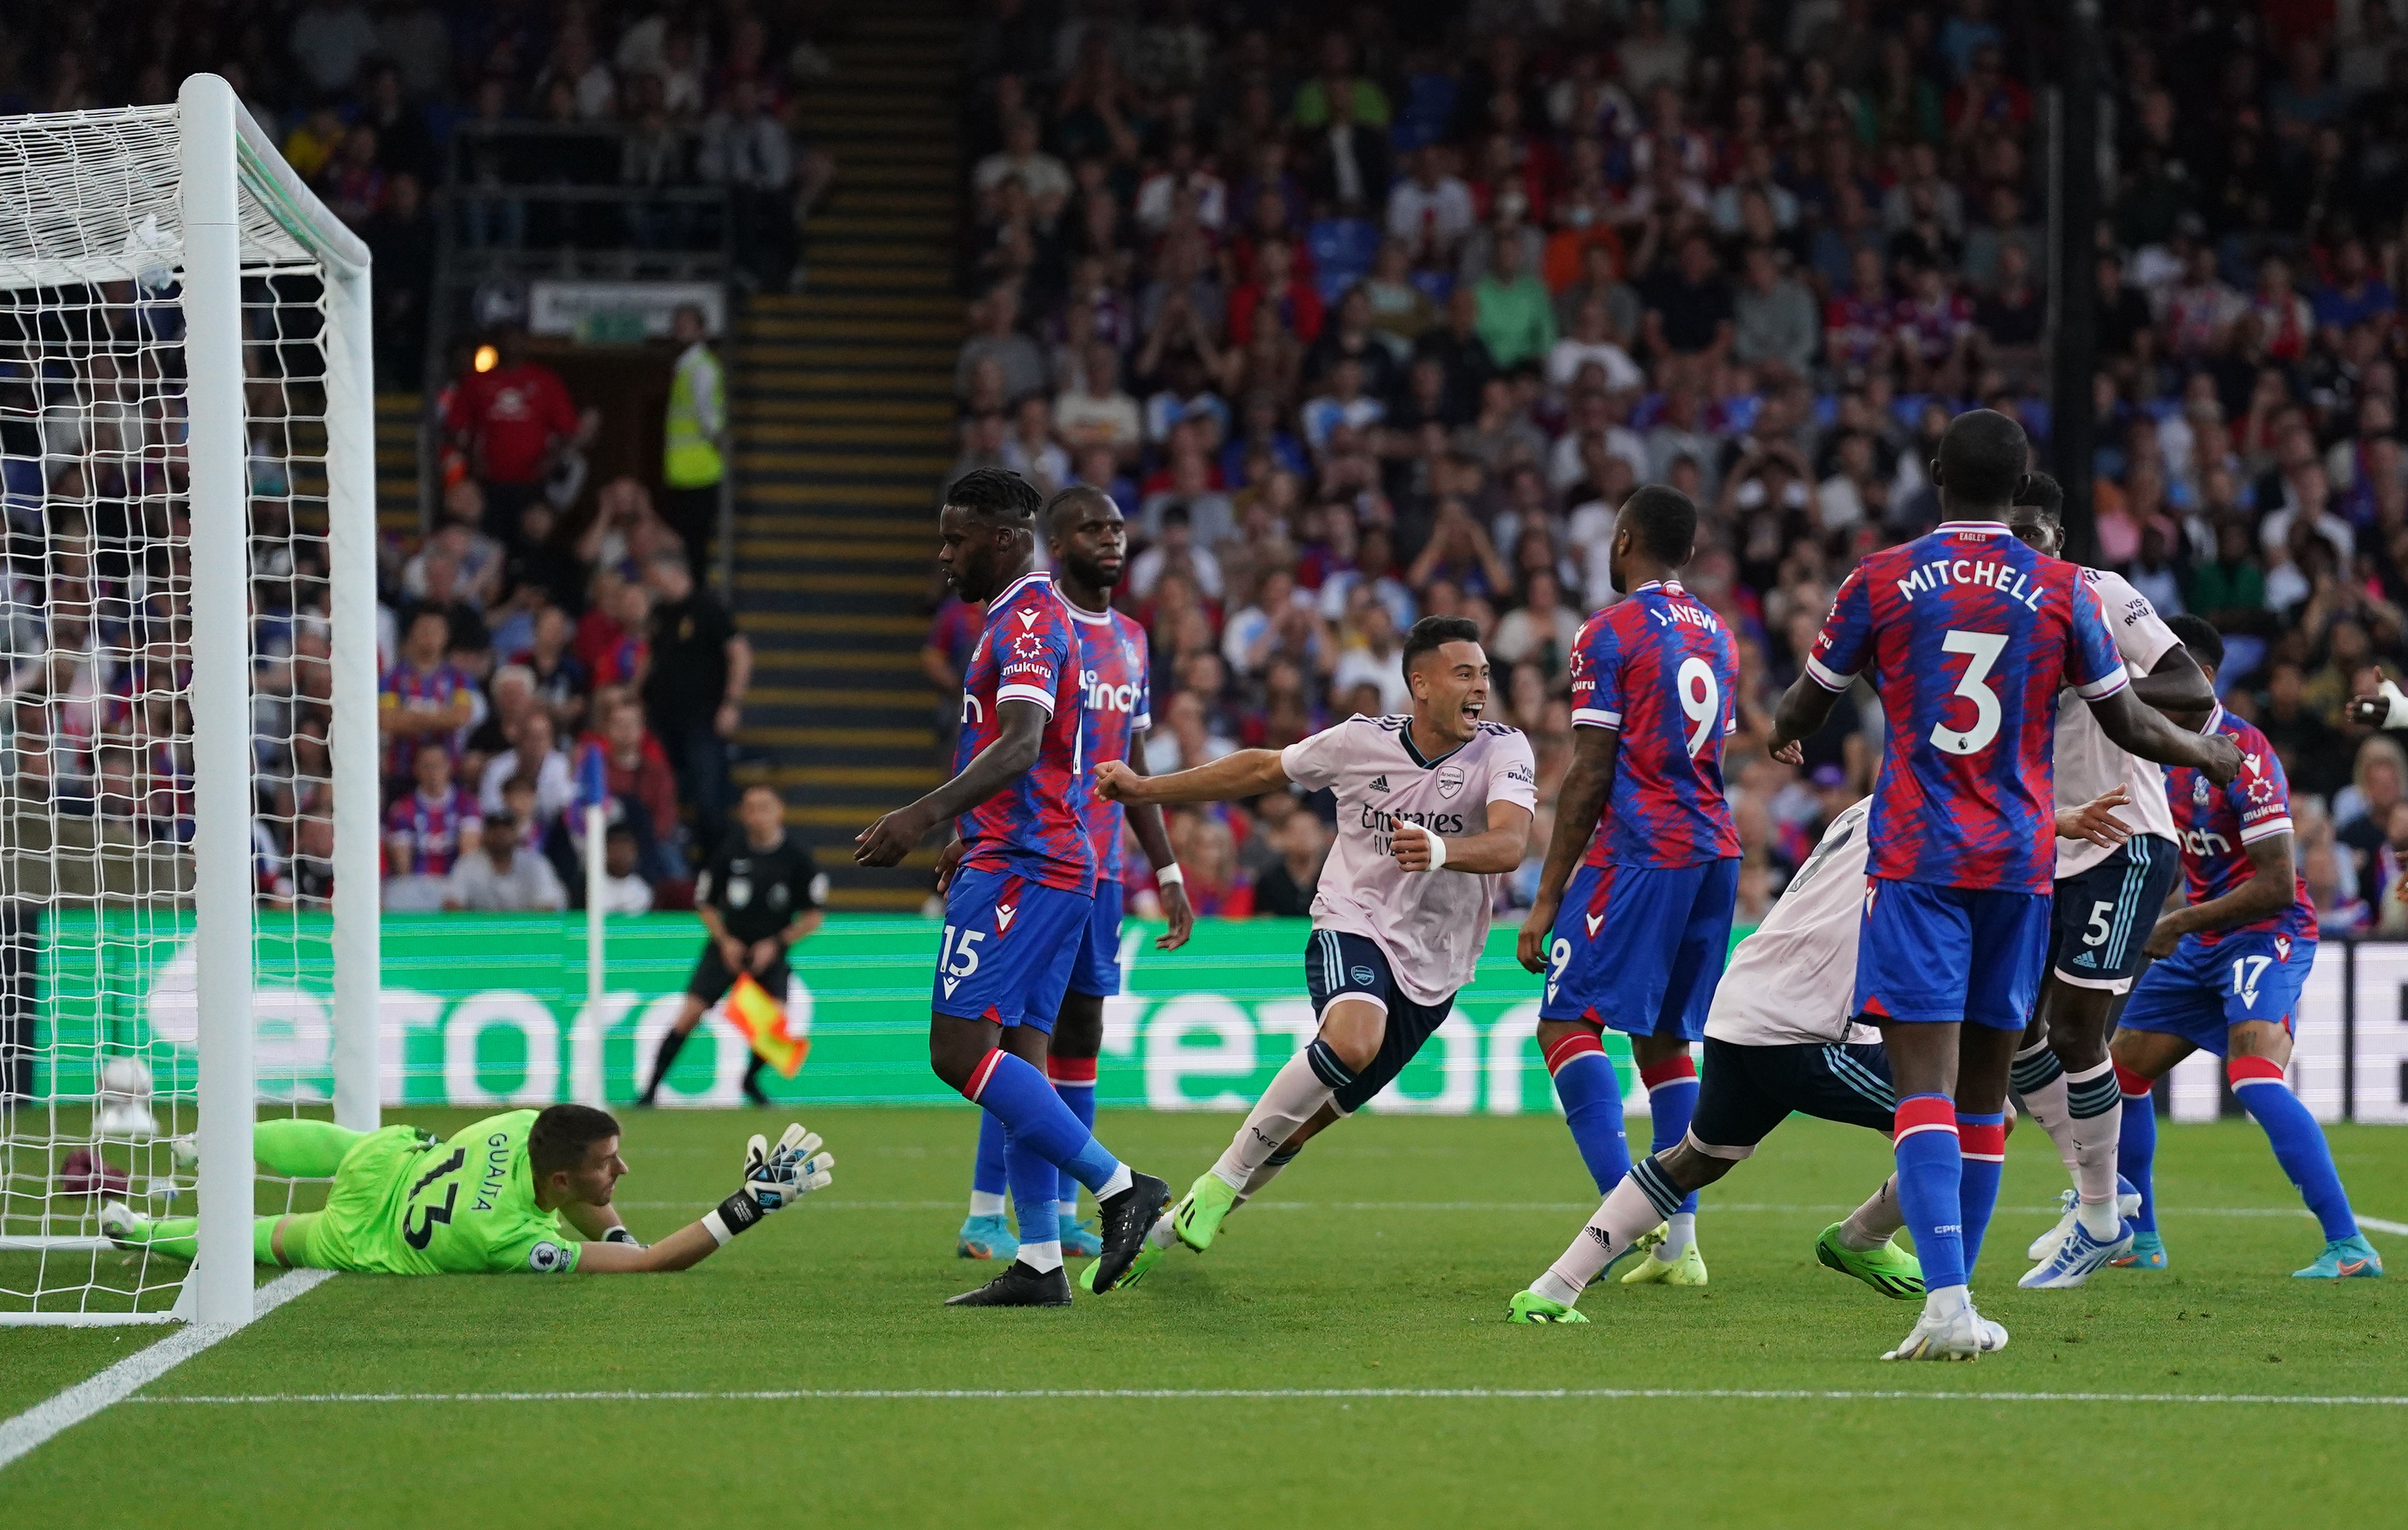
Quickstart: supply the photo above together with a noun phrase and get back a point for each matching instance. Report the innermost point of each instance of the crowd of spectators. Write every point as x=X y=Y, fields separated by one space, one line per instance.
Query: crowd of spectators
x=1363 y=317
x=364 y=98
x=537 y=626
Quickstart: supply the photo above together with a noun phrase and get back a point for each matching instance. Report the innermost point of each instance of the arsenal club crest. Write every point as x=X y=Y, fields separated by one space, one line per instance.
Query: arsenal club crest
x=1450 y=780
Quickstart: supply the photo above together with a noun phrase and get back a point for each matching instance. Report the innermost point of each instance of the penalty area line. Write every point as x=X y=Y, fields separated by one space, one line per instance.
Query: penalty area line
x=1276 y=1394
x=28 y=1430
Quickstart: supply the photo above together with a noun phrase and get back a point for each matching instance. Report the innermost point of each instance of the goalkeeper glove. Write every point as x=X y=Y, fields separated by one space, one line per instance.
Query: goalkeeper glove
x=2395 y=707
x=774 y=1178
x=620 y=1235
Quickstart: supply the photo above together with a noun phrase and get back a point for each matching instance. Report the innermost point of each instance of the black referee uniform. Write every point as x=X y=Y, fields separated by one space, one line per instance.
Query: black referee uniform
x=757 y=893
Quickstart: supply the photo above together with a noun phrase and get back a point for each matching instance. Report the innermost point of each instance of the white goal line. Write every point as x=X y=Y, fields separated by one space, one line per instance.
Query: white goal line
x=907 y=1394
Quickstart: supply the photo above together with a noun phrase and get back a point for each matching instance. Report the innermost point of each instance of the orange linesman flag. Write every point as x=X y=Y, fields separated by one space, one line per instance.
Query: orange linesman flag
x=763 y=1021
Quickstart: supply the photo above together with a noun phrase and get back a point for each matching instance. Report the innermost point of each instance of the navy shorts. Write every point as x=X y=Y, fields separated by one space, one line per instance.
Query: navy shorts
x=1339 y=965
x=2101 y=917
x=2202 y=992
x=1008 y=948
x=1096 y=968
x=1640 y=949
x=1934 y=954
x=1743 y=1092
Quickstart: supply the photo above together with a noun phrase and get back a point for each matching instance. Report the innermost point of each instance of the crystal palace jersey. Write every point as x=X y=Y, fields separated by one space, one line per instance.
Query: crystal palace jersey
x=1432 y=924
x=1028 y=652
x=1114 y=679
x=2216 y=825
x=2087 y=764
x=1662 y=670
x=1969 y=633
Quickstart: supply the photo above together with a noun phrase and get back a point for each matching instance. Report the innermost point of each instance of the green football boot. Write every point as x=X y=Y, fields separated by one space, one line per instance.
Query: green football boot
x=1689 y=1269
x=1529 y=1306
x=1198 y=1219
x=1889 y=1270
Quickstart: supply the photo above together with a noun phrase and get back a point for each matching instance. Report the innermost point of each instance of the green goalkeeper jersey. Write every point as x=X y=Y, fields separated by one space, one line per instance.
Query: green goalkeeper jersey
x=461 y=1207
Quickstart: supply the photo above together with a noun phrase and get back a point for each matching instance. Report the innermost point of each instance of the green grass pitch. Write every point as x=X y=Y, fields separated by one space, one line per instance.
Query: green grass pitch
x=1380 y=1261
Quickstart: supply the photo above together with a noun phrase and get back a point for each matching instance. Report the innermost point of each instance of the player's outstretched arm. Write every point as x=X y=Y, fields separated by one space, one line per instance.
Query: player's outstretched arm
x=1020 y=732
x=1803 y=709
x=775 y=1178
x=2272 y=885
x=1145 y=819
x=1494 y=850
x=2177 y=684
x=1247 y=773
x=1578 y=803
x=2137 y=728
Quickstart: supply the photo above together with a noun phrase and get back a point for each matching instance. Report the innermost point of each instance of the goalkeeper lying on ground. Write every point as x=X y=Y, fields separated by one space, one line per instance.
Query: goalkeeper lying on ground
x=527 y=1190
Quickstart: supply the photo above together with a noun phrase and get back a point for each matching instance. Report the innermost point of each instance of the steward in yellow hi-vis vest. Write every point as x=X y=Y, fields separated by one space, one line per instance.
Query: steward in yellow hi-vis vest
x=694 y=461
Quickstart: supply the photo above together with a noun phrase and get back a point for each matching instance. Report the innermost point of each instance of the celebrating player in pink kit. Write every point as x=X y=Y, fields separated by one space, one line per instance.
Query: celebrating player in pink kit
x=1638 y=942
x=1968 y=634
x=1437 y=791
x=1017 y=910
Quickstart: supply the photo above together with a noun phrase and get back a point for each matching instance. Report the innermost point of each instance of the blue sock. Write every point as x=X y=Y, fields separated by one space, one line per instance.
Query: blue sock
x=1930 y=1177
x=2299 y=1142
x=1591 y=1091
x=1074 y=1080
x=1033 y=1178
x=1981 y=1152
x=988 y=1176
x=1671 y=1099
x=2136 y=1147
x=1012 y=1091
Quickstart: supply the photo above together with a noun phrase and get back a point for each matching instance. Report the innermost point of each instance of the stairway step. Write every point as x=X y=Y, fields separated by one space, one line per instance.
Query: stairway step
x=785 y=334
x=840 y=433
x=836 y=624
x=919 y=777
x=828 y=377
x=876 y=900
x=865 y=495
x=852 y=277
x=819 y=307
x=916 y=550
x=845 y=738
x=846 y=582
x=757 y=411
x=896 y=697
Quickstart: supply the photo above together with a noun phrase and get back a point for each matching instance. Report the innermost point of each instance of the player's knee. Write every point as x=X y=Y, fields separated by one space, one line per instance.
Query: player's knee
x=1355 y=1048
x=1078 y=1029
x=1690 y=1165
x=955 y=1055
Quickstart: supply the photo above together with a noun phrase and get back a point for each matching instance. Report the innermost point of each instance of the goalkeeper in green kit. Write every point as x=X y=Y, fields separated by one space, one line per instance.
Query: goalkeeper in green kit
x=526 y=1190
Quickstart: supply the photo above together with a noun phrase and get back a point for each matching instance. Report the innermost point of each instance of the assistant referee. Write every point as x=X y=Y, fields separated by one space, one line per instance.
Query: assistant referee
x=759 y=895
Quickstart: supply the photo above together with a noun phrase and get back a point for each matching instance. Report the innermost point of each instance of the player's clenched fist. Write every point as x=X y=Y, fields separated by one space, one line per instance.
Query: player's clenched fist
x=1116 y=783
x=2223 y=760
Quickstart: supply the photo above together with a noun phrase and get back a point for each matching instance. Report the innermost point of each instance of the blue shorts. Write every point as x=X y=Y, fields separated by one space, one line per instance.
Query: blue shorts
x=2201 y=992
x=1641 y=948
x=1008 y=948
x=1338 y=966
x=1944 y=954
x=1097 y=969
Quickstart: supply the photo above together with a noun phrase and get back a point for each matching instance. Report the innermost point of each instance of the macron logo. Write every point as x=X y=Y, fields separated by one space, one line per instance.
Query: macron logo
x=1028 y=619
x=1003 y=912
x=951 y=983
x=1379 y=784
x=1593 y=921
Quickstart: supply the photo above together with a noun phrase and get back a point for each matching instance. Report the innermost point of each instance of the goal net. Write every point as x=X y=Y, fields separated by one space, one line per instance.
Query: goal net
x=188 y=750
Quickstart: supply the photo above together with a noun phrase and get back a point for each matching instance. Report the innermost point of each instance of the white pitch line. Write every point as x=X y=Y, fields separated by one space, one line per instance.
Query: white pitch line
x=1276 y=1394
x=67 y=1409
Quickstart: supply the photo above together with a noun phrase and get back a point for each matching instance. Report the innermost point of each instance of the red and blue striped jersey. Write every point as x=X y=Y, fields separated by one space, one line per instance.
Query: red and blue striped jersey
x=1115 y=676
x=424 y=837
x=1970 y=634
x=410 y=689
x=1033 y=827
x=2217 y=824
x=1662 y=670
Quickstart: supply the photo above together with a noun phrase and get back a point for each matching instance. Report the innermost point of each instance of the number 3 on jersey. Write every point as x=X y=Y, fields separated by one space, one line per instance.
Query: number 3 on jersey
x=1701 y=700
x=1982 y=649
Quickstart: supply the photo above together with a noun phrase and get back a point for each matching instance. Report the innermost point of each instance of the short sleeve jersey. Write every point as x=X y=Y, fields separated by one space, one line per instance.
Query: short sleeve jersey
x=1794 y=980
x=468 y=1207
x=435 y=829
x=1033 y=827
x=1968 y=634
x=1431 y=924
x=1115 y=680
x=2088 y=765
x=759 y=891
x=2217 y=824
x=1662 y=670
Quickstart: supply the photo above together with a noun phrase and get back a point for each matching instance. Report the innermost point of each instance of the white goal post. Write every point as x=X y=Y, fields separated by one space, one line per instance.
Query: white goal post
x=188 y=855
